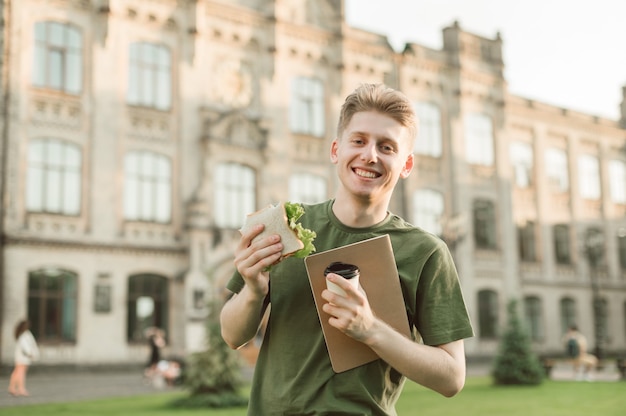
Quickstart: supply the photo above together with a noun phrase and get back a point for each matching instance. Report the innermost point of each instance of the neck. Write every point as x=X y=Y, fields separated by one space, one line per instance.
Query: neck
x=359 y=213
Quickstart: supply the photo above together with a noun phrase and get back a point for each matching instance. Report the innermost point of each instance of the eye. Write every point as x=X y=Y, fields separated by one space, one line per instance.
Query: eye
x=387 y=148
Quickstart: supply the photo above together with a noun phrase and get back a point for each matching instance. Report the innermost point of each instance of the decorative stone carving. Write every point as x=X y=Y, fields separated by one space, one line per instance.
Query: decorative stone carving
x=234 y=84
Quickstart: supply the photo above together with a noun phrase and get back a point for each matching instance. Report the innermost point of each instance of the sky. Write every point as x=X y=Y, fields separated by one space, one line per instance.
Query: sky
x=567 y=53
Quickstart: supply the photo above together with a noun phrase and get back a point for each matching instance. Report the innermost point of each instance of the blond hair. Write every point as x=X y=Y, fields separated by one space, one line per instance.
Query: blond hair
x=382 y=99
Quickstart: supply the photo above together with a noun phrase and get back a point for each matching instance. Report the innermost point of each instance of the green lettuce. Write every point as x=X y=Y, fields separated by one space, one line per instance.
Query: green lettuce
x=294 y=212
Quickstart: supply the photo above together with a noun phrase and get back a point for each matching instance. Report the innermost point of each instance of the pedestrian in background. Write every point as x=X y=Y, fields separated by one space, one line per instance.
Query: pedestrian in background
x=576 y=345
x=26 y=351
x=156 y=340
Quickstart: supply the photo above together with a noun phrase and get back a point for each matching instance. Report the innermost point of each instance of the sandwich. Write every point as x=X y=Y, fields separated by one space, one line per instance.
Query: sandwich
x=282 y=219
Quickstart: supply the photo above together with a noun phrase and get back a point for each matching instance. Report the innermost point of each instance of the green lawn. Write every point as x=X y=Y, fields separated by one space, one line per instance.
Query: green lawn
x=479 y=398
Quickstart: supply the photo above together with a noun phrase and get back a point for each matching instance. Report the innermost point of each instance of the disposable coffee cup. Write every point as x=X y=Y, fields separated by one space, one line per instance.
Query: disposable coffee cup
x=350 y=272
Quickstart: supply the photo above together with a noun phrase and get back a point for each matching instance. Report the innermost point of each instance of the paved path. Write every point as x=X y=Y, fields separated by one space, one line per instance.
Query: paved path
x=76 y=385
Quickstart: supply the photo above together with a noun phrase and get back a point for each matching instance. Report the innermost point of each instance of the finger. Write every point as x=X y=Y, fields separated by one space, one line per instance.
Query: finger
x=343 y=283
x=247 y=237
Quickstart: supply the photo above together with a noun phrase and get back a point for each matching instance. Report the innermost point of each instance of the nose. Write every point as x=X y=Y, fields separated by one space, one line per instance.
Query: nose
x=369 y=154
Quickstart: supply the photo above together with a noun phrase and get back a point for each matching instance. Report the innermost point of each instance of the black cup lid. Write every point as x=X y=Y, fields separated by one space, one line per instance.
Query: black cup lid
x=345 y=270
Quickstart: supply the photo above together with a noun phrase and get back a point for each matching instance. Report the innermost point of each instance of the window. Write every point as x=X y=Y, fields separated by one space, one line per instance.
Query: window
x=147 y=305
x=522 y=160
x=484 y=224
x=568 y=314
x=235 y=194
x=526 y=242
x=562 y=250
x=428 y=210
x=428 y=141
x=617 y=178
x=307 y=107
x=150 y=76
x=58 y=57
x=307 y=188
x=487 y=314
x=52 y=305
x=621 y=247
x=556 y=170
x=589 y=177
x=534 y=320
x=54 y=177
x=601 y=310
x=147 y=187
x=479 y=144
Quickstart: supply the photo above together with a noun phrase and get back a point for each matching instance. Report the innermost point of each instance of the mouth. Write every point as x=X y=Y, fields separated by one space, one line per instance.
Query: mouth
x=367 y=174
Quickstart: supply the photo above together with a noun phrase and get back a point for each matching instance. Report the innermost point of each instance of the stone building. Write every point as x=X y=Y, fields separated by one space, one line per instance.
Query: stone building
x=136 y=135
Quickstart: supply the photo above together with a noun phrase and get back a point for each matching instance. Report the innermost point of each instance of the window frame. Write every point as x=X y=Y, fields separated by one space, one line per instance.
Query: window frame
x=428 y=210
x=62 y=56
x=533 y=312
x=45 y=297
x=479 y=142
x=485 y=232
x=522 y=161
x=54 y=177
x=562 y=244
x=307 y=112
x=557 y=169
x=147 y=194
x=429 y=137
x=235 y=194
x=527 y=242
x=589 y=180
x=150 y=80
x=155 y=287
x=307 y=188
x=488 y=314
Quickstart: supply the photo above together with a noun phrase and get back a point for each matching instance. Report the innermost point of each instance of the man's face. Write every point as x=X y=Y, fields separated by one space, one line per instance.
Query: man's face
x=372 y=153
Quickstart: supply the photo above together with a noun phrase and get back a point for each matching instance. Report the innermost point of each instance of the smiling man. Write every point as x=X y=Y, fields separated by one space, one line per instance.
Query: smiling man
x=293 y=376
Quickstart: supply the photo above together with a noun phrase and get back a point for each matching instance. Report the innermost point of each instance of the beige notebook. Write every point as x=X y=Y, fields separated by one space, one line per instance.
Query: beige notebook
x=379 y=279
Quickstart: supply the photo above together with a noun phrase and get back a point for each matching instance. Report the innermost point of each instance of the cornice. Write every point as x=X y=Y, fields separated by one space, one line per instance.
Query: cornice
x=84 y=246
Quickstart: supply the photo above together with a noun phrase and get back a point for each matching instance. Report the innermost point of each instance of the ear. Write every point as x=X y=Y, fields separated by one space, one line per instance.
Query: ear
x=408 y=166
x=333 y=151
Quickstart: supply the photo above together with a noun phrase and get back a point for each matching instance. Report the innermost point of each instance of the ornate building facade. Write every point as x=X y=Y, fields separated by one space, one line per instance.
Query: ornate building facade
x=136 y=135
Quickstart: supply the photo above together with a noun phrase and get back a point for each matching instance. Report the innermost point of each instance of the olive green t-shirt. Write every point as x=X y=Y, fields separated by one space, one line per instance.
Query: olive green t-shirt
x=293 y=374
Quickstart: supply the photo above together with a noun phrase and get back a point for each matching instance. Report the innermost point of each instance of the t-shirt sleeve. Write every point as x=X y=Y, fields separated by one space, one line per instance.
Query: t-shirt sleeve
x=441 y=314
x=236 y=283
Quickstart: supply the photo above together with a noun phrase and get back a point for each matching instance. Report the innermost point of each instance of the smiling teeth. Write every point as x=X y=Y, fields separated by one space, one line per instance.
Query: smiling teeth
x=365 y=174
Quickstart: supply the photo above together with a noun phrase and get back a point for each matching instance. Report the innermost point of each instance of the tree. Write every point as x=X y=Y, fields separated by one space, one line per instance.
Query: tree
x=213 y=376
x=515 y=362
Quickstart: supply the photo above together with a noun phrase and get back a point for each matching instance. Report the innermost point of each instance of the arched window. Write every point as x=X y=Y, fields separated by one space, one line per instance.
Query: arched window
x=52 y=305
x=487 y=314
x=147 y=305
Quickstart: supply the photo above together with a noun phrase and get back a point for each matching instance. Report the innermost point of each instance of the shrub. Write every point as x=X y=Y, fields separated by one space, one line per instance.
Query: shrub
x=515 y=362
x=213 y=376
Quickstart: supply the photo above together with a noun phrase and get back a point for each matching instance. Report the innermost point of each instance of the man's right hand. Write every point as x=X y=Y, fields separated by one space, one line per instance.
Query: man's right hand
x=253 y=258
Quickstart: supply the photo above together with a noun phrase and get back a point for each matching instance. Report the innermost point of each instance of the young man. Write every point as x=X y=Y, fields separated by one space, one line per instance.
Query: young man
x=293 y=376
